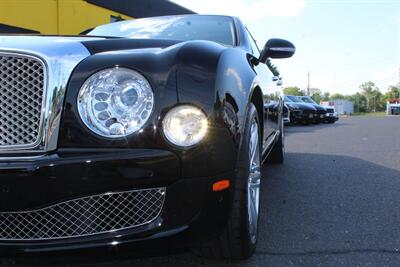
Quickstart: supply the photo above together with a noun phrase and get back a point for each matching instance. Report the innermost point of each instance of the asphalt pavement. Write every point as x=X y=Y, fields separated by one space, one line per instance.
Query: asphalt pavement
x=334 y=202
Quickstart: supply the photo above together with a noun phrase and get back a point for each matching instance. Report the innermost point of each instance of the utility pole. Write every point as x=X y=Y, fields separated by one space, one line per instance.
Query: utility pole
x=399 y=76
x=308 y=83
x=398 y=85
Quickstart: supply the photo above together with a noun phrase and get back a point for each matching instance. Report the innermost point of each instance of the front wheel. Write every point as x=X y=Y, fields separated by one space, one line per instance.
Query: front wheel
x=239 y=238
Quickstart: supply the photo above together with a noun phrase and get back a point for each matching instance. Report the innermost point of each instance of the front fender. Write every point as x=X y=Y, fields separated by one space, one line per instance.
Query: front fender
x=220 y=81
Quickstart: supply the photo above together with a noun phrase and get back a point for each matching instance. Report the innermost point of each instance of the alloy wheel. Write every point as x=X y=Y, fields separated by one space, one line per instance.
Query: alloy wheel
x=254 y=181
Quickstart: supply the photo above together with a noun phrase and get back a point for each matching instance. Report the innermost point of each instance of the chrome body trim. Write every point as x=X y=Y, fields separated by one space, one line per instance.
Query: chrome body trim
x=60 y=55
x=282 y=49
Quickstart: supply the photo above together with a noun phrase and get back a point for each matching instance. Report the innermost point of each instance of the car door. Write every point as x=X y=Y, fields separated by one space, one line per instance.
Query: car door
x=272 y=96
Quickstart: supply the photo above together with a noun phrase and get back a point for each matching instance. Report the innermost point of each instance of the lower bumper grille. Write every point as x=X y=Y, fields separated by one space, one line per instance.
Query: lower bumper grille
x=84 y=216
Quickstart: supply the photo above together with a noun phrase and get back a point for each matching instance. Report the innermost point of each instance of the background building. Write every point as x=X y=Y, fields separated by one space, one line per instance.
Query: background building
x=393 y=106
x=76 y=16
x=343 y=107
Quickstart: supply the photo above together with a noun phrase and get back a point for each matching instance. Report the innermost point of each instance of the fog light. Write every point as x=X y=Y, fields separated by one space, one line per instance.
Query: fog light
x=185 y=125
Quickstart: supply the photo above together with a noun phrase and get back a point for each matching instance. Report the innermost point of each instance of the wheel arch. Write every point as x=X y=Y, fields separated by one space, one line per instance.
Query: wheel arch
x=258 y=100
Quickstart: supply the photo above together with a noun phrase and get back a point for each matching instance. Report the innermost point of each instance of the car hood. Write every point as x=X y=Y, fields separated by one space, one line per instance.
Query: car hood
x=318 y=107
x=70 y=46
x=301 y=106
x=57 y=50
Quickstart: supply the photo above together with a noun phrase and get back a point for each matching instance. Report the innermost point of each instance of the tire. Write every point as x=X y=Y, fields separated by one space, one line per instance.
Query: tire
x=277 y=154
x=239 y=238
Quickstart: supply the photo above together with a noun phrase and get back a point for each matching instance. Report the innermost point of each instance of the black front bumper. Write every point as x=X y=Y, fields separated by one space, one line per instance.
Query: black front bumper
x=301 y=117
x=192 y=212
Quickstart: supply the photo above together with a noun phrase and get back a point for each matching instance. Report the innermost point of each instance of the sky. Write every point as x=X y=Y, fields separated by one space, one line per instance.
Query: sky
x=343 y=43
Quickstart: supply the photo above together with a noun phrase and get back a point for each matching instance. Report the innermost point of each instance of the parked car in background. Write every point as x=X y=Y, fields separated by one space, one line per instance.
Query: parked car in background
x=321 y=111
x=298 y=111
x=146 y=130
x=331 y=115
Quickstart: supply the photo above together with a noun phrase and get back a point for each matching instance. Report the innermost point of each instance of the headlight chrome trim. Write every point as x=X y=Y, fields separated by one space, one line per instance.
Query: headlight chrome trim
x=135 y=90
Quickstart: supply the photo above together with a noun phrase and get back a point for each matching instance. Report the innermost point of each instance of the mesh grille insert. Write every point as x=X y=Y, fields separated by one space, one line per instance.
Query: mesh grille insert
x=21 y=93
x=84 y=216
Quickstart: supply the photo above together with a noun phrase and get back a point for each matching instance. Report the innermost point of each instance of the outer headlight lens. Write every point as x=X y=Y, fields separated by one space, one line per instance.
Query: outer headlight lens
x=185 y=125
x=115 y=102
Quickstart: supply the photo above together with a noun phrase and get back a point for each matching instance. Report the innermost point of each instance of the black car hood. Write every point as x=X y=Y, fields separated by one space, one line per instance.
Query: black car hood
x=94 y=44
x=318 y=107
x=302 y=106
x=115 y=44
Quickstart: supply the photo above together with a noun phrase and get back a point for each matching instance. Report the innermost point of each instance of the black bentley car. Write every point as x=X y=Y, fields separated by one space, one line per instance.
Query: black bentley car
x=145 y=130
x=322 y=111
x=296 y=111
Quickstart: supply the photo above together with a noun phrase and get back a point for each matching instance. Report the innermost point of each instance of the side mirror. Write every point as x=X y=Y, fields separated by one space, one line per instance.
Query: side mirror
x=277 y=48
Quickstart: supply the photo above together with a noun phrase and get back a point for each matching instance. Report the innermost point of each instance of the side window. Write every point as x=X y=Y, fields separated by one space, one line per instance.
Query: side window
x=254 y=47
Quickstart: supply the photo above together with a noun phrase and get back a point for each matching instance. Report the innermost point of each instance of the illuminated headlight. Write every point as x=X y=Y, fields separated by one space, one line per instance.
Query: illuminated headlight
x=185 y=125
x=115 y=102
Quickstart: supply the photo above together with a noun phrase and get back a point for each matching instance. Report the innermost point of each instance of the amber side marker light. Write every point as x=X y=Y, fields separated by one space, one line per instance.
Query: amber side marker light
x=221 y=185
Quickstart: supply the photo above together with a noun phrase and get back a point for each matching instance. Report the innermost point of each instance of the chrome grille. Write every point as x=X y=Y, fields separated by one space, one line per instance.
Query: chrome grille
x=84 y=216
x=22 y=82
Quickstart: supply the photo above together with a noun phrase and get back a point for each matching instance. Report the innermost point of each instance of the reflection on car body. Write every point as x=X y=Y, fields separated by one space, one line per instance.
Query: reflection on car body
x=153 y=129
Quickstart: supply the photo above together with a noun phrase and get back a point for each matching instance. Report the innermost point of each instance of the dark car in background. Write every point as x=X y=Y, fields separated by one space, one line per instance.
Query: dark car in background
x=331 y=115
x=321 y=111
x=296 y=111
x=145 y=130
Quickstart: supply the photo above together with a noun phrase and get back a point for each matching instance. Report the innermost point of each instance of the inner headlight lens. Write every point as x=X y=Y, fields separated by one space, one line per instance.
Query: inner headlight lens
x=185 y=125
x=115 y=102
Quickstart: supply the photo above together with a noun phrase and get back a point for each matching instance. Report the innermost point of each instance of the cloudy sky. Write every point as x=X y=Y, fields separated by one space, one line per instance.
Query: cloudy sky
x=343 y=43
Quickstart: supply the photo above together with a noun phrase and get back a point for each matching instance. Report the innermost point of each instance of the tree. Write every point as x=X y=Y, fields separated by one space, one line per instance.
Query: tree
x=359 y=101
x=326 y=96
x=272 y=97
x=337 y=96
x=393 y=92
x=316 y=94
x=294 y=90
x=372 y=93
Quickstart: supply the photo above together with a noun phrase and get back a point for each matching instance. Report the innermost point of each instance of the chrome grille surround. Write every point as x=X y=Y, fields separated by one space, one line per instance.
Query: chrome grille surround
x=60 y=55
x=22 y=93
x=85 y=216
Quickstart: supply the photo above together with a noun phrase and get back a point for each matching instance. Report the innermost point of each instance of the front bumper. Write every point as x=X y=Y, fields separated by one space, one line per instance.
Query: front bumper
x=331 y=117
x=191 y=212
x=301 y=117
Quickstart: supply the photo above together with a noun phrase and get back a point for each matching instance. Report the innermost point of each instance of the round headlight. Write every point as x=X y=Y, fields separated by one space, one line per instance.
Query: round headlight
x=185 y=125
x=115 y=102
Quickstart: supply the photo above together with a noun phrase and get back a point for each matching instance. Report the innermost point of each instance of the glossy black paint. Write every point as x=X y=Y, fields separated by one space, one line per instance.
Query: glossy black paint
x=277 y=48
x=220 y=80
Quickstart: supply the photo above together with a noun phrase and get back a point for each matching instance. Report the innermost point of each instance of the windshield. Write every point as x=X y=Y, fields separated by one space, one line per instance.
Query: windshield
x=294 y=99
x=218 y=29
x=308 y=99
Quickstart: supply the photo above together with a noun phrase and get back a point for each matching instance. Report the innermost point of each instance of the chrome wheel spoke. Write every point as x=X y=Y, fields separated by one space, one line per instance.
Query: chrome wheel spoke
x=254 y=179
